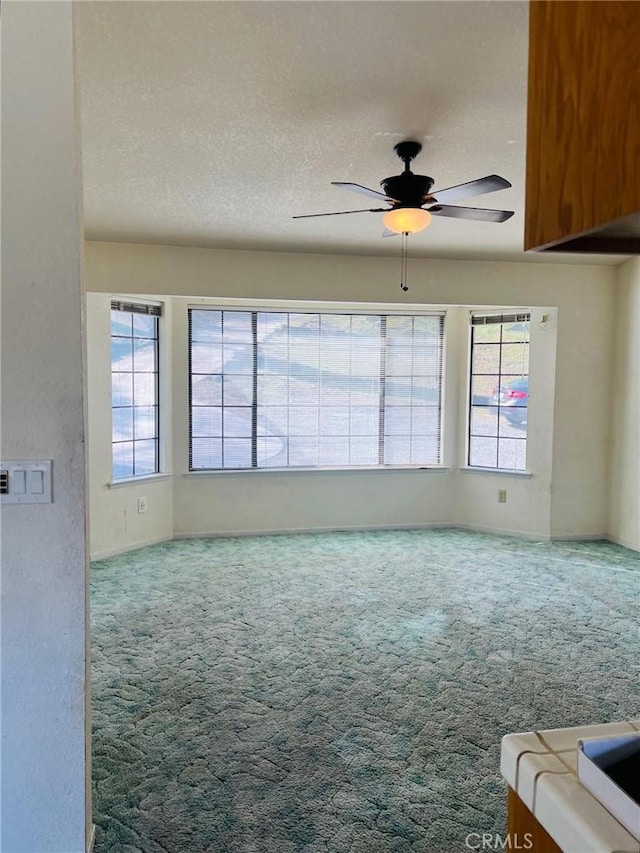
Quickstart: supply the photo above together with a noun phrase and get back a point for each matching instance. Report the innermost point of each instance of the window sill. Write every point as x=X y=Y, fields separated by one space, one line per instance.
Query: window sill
x=143 y=478
x=508 y=472
x=435 y=469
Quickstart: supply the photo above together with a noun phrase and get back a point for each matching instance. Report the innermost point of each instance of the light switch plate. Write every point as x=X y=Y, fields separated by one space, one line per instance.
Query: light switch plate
x=28 y=481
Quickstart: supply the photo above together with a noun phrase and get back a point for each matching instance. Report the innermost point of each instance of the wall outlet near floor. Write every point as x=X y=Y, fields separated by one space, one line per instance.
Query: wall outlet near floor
x=142 y=504
x=502 y=496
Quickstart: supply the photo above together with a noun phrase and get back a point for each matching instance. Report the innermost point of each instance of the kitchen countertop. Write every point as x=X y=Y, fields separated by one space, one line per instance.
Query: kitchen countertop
x=541 y=767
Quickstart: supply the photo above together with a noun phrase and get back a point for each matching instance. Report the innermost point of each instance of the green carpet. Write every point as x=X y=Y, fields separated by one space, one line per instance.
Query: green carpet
x=343 y=692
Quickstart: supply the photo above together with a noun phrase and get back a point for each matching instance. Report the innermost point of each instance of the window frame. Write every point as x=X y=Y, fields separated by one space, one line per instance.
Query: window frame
x=499 y=317
x=349 y=310
x=154 y=310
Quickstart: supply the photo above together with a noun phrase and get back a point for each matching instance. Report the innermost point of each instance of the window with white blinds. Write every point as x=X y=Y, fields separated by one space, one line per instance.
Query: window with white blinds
x=302 y=390
x=499 y=393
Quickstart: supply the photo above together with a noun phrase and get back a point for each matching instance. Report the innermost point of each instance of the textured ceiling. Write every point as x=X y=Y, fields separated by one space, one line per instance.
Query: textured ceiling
x=212 y=123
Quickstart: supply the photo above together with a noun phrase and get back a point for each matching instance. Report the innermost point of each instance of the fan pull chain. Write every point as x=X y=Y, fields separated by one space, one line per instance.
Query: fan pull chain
x=403 y=262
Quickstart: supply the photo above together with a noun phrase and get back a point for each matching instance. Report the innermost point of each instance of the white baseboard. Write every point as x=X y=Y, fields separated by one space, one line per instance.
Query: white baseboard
x=585 y=537
x=501 y=531
x=626 y=543
x=134 y=546
x=92 y=838
x=541 y=537
x=284 y=531
x=437 y=525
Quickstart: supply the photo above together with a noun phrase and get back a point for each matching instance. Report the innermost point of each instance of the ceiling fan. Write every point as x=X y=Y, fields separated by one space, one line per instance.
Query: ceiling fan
x=412 y=203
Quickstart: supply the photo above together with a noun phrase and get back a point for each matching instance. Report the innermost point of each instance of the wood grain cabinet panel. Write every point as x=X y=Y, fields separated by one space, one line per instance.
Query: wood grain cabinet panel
x=583 y=126
x=524 y=831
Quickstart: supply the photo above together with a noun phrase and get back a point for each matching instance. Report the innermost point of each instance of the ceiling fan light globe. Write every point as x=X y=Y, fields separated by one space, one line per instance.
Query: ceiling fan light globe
x=406 y=220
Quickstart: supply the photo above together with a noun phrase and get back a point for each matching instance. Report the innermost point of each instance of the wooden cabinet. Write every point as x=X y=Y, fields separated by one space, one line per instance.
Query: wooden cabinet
x=523 y=829
x=583 y=127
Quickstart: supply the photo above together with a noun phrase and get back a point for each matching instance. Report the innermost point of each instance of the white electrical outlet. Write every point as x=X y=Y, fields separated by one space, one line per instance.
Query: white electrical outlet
x=502 y=496
x=142 y=504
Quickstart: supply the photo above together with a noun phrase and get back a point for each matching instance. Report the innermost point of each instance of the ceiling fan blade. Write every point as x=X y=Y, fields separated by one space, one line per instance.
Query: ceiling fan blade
x=489 y=184
x=358 y=188
x=388 y=233
x=479 y=214
x=342 y=212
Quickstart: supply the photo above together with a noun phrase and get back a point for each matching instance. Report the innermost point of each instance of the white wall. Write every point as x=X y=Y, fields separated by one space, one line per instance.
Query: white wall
x=45 y=742
x=582 y=423
x=116 y=524
x=528 y=507
x=624 y=504
x=568 y=446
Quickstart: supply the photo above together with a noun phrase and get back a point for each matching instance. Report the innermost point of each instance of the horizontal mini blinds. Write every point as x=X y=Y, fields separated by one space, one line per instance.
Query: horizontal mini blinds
x=134 y=389
x=499 y=393
x=284 y=389
x=136 y=308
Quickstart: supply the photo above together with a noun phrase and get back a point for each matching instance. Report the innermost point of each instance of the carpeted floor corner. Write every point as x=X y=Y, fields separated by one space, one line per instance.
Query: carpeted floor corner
x=343 y=693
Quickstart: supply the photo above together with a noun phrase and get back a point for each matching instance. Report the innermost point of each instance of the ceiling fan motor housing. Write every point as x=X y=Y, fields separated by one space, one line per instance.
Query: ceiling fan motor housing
x=407 y=188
